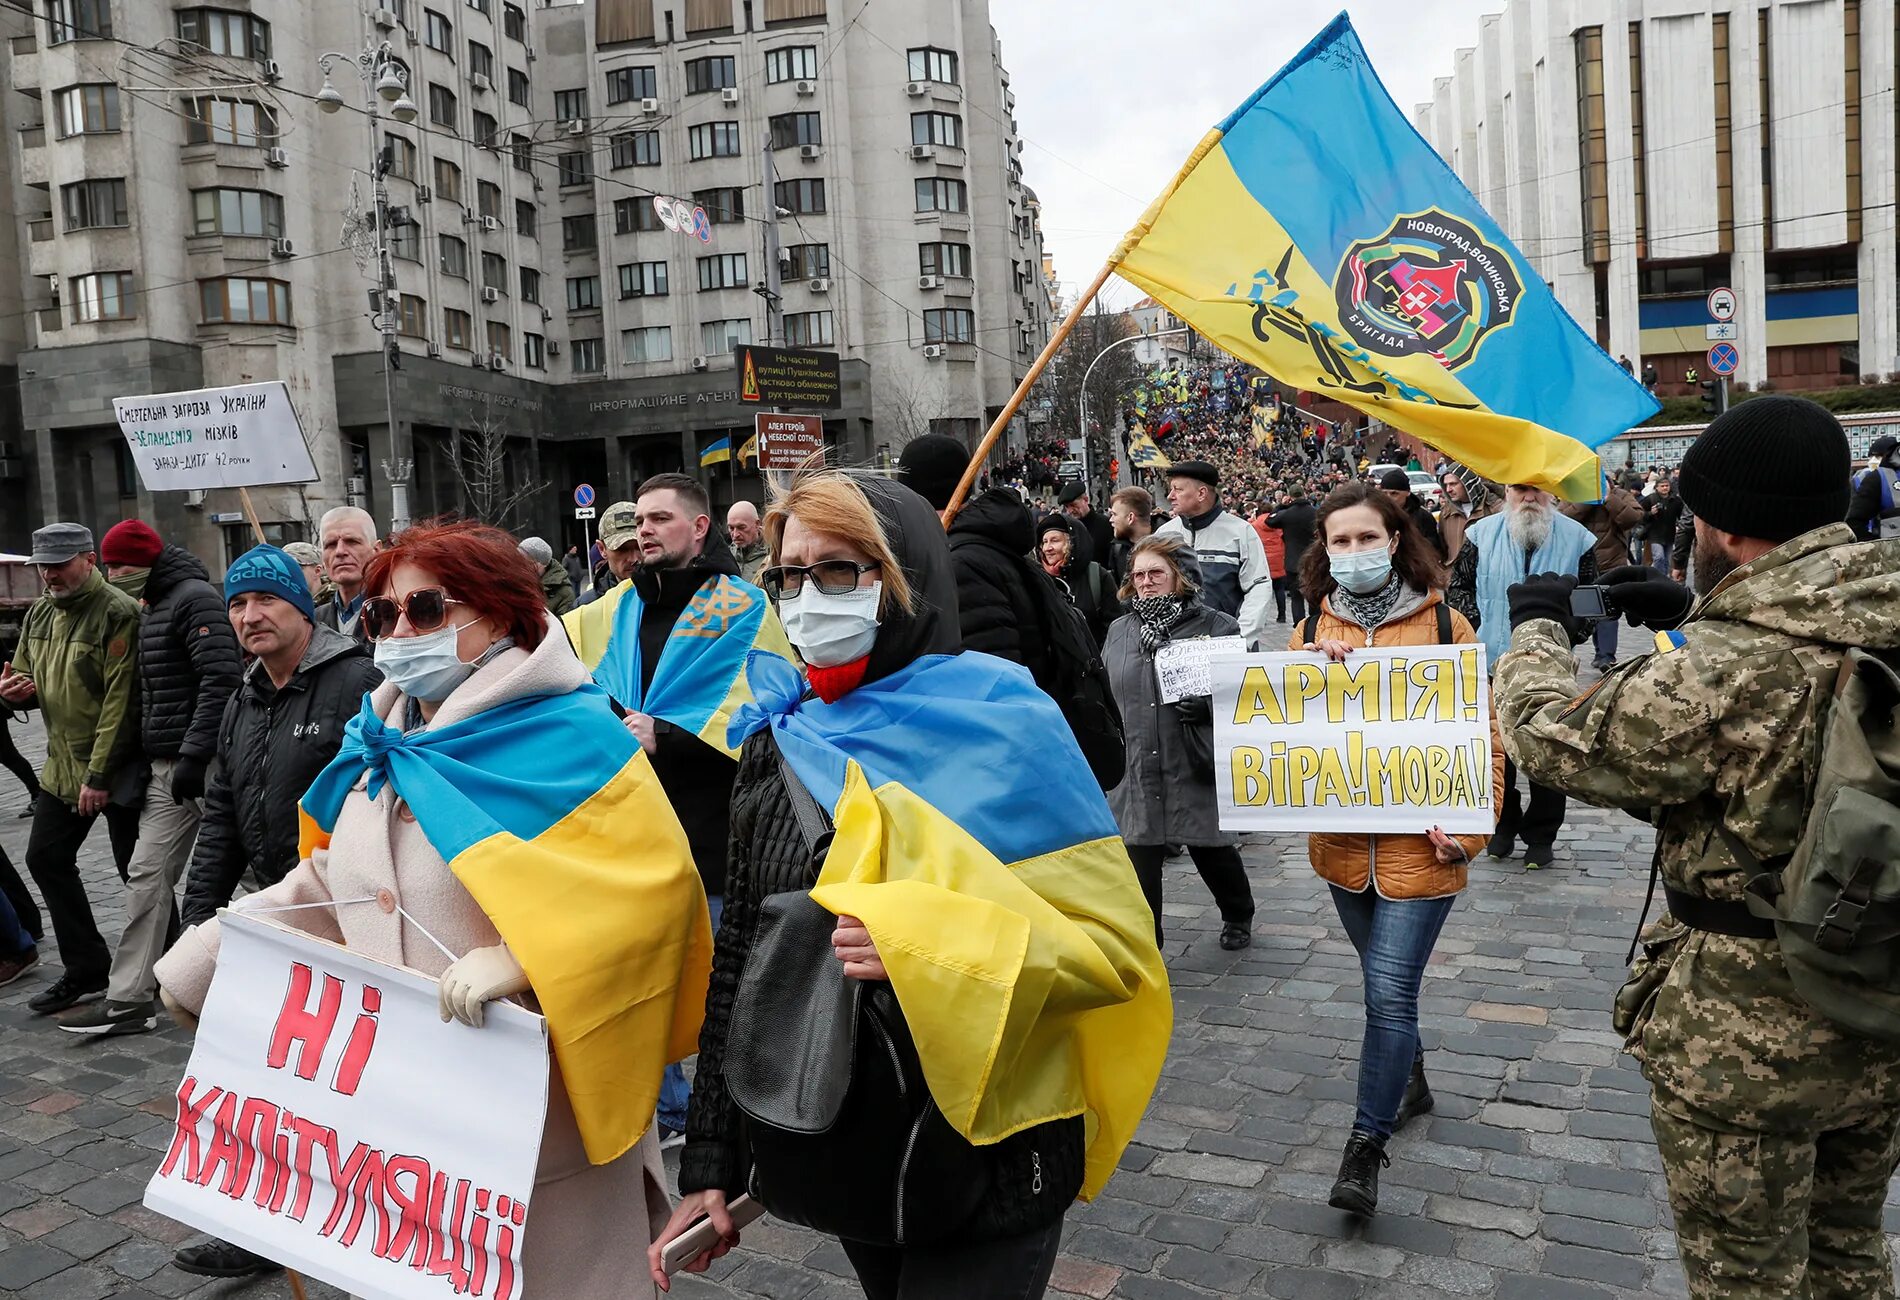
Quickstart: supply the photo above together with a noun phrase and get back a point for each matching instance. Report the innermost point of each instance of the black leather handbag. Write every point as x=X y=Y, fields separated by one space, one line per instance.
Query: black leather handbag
x=844 y=1135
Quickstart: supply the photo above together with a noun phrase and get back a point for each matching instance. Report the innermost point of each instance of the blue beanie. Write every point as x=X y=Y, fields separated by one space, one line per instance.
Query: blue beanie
x=269 y=569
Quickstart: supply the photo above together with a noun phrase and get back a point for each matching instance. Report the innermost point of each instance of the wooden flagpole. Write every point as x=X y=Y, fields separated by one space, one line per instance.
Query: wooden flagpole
x=250 y=512
x=1008 y=412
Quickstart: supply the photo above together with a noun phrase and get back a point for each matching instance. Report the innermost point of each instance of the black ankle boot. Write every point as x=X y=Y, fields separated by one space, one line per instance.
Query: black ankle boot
x=1418 y=1096
x=1357 y=1189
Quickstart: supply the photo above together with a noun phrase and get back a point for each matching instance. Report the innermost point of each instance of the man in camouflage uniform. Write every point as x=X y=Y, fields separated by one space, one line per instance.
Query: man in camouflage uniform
x=1779 y=1132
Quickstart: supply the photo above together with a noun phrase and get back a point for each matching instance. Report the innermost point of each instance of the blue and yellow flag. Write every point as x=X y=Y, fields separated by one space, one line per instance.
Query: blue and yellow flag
x=1143 y=453
x=700 y=679
x=749 y=450
x=1316 y=235
x=717 y=452
x=974 y=844
x=580 y=864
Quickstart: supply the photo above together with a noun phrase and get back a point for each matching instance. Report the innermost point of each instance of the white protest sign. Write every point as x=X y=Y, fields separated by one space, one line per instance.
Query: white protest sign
x=1181 y=666
x=243 y=436
x=330 y=1121
x=1390 y=741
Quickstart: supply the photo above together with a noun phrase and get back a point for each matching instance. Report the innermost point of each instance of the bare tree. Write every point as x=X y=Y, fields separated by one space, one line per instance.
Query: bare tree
x=907 y=402
x=493 y=472
x=1114 y=379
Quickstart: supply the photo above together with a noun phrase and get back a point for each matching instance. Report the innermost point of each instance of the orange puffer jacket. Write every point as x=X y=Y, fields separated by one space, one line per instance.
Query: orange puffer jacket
x=1406 y=865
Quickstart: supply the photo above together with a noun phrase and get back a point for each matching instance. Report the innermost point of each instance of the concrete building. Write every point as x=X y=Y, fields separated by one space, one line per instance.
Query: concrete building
x=1165 y=338
x=1645 y=152
x=187 y=218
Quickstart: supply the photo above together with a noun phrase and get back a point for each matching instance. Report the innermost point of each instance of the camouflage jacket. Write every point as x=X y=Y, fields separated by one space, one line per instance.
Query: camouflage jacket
x=1724 y=727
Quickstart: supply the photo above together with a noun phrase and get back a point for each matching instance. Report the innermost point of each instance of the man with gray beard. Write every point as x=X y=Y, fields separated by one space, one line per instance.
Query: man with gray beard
x=1529 y=538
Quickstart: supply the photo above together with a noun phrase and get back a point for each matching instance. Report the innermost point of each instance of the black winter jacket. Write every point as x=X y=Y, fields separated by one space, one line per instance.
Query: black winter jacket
x=188 y=659
x=271 y=745
x=989 y=539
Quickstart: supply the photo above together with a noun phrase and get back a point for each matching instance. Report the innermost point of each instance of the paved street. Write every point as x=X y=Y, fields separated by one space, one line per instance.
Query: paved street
x=1535 y=1180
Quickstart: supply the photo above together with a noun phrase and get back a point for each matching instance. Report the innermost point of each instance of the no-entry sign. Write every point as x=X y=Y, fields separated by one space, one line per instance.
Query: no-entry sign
x=786 y=442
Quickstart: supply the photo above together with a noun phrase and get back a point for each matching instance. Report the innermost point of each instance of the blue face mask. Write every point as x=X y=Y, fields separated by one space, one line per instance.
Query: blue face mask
x=424 y=667
x=1362 y=572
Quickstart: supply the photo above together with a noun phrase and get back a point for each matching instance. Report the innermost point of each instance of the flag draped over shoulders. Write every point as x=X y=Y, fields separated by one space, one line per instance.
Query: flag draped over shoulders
x=553 y=820
x=979 y=852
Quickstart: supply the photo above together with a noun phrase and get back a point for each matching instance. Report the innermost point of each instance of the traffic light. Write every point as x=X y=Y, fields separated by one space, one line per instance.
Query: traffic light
x=1711 y=397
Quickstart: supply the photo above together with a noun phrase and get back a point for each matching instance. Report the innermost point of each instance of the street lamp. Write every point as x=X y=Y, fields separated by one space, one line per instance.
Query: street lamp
x=384 y=81
x=1118 y=343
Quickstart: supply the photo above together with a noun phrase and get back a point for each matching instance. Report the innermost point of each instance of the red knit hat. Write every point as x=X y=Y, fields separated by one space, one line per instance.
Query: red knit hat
x=132 y=542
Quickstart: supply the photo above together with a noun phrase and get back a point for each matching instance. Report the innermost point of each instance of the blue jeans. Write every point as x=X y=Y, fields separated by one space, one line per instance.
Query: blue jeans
x=1394 y=939
x=675 y=1092
x=1605 y=636
x=15 y=942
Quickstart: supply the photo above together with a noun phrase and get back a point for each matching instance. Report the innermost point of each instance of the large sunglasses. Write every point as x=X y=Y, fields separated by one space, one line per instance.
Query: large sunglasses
x=427 y=609
x=833 y=577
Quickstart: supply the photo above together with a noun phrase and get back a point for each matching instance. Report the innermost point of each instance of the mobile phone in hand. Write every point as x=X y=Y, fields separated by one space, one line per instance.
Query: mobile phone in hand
x=702 y=1236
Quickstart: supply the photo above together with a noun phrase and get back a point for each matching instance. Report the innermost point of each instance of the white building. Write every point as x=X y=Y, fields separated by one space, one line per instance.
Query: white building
x=1165 y=336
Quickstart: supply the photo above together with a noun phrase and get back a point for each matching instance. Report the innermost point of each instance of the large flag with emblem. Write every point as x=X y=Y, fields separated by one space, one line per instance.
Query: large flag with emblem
x=1316 y=235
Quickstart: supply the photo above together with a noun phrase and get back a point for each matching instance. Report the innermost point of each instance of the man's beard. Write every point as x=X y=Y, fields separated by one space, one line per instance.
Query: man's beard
x=1712 y=564
x=1530 y=526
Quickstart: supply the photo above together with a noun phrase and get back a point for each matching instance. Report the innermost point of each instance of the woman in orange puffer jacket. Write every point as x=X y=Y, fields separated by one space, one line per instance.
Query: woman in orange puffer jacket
x=1376 y=581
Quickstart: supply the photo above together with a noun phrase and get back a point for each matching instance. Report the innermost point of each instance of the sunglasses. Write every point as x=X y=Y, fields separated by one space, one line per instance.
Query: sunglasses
x=833 y=577
x=427 y=609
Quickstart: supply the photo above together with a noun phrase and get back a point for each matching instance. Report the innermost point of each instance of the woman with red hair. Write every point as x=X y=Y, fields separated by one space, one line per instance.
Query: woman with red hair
x=553 y=884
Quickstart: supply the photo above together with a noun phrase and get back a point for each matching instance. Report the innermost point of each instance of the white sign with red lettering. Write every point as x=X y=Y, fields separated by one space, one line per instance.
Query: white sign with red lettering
x=330 y=1121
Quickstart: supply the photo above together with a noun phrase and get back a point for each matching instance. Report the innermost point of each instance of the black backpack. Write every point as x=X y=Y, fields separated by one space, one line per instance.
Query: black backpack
x=1072 y=674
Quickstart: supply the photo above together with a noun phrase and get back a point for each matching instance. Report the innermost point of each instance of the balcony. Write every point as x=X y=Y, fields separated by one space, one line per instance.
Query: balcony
x=48 y=320
x=33 y=155
x=26 y=64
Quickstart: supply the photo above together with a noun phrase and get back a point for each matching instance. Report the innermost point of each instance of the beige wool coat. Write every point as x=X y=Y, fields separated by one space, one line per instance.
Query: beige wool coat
x=589 y=1225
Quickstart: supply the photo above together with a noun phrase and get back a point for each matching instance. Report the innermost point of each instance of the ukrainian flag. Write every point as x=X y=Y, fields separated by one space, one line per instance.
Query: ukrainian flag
x=1316 y=235
x=549 y=814
x=717 y=452
x=978 y=850
x=699 y=682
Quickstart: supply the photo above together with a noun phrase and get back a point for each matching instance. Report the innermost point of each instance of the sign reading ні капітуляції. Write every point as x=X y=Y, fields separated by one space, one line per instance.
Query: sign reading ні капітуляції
x=247 y=435
x=329 y=1120
x=1394 y=740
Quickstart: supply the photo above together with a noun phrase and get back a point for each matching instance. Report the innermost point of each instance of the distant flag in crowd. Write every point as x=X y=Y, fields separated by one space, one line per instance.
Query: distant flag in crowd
x=717 y=453
x=1262 y=427
x=1143 y=454
x=1314 y=234
x=749 y=451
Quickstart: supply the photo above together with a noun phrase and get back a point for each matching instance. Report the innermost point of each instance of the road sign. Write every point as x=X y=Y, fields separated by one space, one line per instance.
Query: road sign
x=702 y=226
x=786 y=442
x=583 y=512
x=1723 y=359
x=1725 y=332
x=788 y=377
x=1722 y=303
x=584 y=494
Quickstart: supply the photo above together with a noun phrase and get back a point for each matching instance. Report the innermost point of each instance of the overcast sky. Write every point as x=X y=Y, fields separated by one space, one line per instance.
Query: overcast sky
x=1112 y=95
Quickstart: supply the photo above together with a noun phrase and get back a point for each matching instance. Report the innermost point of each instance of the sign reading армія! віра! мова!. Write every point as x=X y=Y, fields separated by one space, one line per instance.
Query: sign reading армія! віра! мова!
x=246 y=435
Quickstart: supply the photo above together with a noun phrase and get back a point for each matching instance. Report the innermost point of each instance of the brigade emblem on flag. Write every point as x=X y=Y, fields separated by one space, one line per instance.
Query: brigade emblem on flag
x=1429 y=284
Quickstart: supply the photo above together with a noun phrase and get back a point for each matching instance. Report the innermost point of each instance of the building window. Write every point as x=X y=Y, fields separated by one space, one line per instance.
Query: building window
x=652 y=343
x=226 y=121
x=484 y=128
x=93 y=204
x=481 y=7
x=949 y=325
x=724 y=206
x=481 y=61
x=455 y=327
x=808 y=261
x=936 y=194
x=401 y=157
x=713 y=140
x=1850 y=13
x=224 y=31
x=570 y=105
x=246 y=301
x=631 y=215
x=808 y=329
x=517 y=87
x=495 y=272
x=514 y=22
x=521 y=153
x=789 y=129
x=442 y=107
x=78 y=20
x=104 y=296
x=717 y=336
x=583 y=293
x=574 y=169
x=501 y=340
x=587 y=356
x=946 y=259
x=636 y=149
x=722 y=271
x=412 y=317
x=716 y=73
x=805 y=196
x=438 y=33
x=579 y=234
x=782 y=11
x=237 y=212
x=524 y=217
x=944 y=129
x=488 y=199
x=1593 y=145
x=643 y=280
x=448 y=180
x=534 y=351
x=624 y=84
x=1724 y=134
x=530 y=285
x=86 y=110
x=928 y=64
x=405 y=241
x=452 y=255
x=793 y=63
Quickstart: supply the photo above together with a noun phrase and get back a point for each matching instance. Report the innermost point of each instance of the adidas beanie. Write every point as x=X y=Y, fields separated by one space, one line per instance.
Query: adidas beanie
x=1770 y=468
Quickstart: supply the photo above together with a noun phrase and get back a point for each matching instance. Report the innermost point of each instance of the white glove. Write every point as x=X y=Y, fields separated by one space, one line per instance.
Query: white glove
x=482 y=976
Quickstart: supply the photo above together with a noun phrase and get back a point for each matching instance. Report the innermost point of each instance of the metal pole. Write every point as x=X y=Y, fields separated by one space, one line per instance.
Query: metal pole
x=387 y=318
x=774 y=277
x=1120 y=446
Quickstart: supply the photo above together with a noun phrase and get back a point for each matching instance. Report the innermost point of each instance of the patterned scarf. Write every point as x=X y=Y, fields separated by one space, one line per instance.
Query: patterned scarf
x=1369 y=610
x=1158 y=615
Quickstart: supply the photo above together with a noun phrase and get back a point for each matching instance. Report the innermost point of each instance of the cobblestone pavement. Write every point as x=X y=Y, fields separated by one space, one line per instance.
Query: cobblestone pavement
x=1536 y=1179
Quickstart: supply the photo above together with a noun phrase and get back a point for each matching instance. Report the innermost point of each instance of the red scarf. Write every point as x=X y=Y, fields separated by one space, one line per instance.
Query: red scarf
x=833 y=684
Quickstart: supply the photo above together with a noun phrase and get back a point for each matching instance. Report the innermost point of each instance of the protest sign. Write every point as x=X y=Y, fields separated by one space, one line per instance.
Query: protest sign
x=1391 y=741
x=1181 y=666
x=243 y=436
x=329 y=1120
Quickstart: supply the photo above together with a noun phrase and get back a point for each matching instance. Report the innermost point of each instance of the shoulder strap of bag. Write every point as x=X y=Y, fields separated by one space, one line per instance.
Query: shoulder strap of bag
x=1444 y=621
x=1312 y=626
x=813 y=824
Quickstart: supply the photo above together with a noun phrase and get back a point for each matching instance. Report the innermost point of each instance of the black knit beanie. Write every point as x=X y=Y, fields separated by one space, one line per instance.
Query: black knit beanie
x=932 y=465
x=1771 y=468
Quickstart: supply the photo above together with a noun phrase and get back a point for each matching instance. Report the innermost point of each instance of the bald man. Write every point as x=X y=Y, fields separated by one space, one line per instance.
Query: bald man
x=742 y=526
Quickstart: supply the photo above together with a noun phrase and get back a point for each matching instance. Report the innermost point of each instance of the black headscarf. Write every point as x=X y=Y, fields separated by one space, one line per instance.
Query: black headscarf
x=915 y=534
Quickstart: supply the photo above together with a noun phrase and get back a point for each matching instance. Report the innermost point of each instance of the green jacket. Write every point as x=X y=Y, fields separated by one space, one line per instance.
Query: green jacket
x=1725 y=727
x=557 y=589
x=82 y=653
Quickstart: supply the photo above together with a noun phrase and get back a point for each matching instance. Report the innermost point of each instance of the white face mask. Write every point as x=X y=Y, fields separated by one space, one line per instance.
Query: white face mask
x=424 y=667
x=831 y=630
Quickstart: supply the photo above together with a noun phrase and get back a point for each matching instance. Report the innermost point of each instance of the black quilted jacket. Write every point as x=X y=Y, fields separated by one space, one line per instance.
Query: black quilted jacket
x=188 y=659
x=988 y=541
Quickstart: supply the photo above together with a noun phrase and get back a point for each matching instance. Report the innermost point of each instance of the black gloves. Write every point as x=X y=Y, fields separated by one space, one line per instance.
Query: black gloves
x=1195 y=710
x=188 y=778
x=1545 y=596
x=1647 y=597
